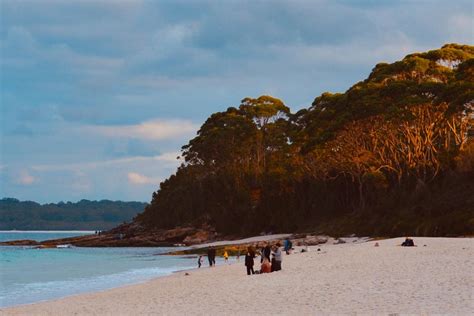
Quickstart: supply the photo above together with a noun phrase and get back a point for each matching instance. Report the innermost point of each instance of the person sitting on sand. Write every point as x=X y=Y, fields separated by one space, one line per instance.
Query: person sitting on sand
x=276 y=260
x=249 y=260
x=226 y=256
x=266 y=266
x=408 y=243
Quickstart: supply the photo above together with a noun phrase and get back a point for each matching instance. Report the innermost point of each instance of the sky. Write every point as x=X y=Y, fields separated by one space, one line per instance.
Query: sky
x=97 y=97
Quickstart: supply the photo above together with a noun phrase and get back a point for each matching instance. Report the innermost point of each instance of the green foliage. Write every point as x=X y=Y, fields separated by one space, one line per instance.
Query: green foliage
x=372 y=160
x=83 y=215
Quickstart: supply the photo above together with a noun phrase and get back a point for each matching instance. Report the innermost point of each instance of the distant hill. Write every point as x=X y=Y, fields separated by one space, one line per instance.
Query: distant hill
x=83 y=215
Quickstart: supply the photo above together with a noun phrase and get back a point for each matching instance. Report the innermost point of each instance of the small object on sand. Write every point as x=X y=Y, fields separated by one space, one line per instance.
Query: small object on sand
x=424 y=245
x=376 y=244
x=186 y=273
x=319 y=249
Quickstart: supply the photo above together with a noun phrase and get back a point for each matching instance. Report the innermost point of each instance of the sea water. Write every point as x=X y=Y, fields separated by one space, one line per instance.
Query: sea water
x=29 y=275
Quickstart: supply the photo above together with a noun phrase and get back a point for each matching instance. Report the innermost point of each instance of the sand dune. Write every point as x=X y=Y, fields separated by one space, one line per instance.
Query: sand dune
x=340 y=279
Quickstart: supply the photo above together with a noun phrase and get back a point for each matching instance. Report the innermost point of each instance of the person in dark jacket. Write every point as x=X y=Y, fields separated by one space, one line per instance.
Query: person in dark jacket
x=287 y=245
x=408 y=243
x=211 y=256
x=266 y=251
x=249 y=260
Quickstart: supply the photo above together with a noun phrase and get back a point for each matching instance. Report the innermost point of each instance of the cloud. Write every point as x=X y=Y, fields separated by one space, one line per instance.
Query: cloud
x=98 y=72
x=167 y=159
x=81 y=182
x=150 y=130
x=137 y=178
x=25 y=178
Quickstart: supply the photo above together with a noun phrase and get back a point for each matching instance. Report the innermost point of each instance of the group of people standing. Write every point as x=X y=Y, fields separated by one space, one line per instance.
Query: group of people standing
x=270 y=257
x=267 y=264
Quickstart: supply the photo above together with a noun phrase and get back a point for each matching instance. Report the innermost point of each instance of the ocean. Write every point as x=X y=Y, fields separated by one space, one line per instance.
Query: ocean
x=29 y=275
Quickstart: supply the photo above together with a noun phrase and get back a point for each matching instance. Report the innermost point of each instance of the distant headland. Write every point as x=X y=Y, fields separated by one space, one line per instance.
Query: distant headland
x=82 y=215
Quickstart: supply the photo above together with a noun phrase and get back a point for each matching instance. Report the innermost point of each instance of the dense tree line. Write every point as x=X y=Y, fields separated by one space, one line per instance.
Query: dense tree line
x=392 y=155
x=83 y=215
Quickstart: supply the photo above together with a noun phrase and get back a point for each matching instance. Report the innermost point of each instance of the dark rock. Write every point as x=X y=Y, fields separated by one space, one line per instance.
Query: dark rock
x=24 y=242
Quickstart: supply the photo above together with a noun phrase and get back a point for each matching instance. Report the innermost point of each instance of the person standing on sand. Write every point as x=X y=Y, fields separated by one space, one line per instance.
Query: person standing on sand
x=276 y=261
x=211 y=256
x=226 y=256
x=249 y=261
x=199 y=261
x=266 y=252
x=287 y=245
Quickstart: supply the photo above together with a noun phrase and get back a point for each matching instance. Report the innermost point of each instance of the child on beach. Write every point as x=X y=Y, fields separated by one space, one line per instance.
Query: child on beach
x=226 y=256
x=199 y=261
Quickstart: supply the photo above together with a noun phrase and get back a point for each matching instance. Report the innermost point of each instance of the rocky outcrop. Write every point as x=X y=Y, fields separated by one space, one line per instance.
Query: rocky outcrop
x=310 y=240
x=199 y=237
x=129 y=235
x=24 y=242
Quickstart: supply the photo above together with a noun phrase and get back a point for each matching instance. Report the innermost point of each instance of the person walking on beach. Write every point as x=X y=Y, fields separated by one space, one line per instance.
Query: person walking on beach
x=287 y=245
x=226 y=256
x=276 y=260
x=199 y=261
x=211 y=256
x=249 y=260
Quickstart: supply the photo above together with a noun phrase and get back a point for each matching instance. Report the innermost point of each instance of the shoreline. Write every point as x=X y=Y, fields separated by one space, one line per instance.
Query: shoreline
x=344 y=278
x=6 y=308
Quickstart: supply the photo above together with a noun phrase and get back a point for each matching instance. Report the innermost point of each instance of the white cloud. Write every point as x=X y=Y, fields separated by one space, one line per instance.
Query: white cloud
x=167 y=159
x=137 y=178
x=150 y=130
x=25 y=178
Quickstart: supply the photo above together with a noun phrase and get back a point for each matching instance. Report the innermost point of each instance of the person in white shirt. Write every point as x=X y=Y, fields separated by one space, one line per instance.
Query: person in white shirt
x=277 y=258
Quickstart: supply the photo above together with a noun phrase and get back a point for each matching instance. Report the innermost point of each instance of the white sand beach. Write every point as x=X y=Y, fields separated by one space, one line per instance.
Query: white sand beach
x=352 y=278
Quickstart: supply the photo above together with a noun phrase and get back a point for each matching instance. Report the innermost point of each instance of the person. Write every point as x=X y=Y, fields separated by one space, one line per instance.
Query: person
x=266 y=252
x=199 y=261
x=211 y=256
x=266 y=266
x=238 y=255
x=226 y=256
x=287 y=245
x=408 y=243
x=276 y=260
x=249 y=260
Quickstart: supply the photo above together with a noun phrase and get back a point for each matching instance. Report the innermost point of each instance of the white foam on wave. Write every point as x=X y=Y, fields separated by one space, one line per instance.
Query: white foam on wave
x=41 y=291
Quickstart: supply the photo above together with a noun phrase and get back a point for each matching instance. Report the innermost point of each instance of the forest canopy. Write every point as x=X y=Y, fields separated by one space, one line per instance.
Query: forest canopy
x=392 y=155
x=82 y=215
